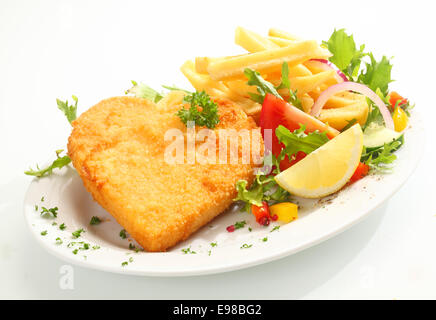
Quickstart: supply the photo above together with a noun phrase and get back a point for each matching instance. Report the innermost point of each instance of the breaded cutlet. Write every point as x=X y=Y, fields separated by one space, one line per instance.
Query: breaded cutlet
x=117 y=147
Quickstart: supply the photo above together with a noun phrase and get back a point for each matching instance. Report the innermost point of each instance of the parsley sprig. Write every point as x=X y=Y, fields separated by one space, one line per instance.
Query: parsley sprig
x=203 y=111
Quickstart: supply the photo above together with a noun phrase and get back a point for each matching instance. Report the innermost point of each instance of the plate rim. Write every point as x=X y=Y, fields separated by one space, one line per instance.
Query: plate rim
x=264 y=258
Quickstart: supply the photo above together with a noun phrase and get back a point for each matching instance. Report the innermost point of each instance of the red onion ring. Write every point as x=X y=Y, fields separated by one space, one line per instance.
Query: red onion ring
x=332 y=66
x=356 y=87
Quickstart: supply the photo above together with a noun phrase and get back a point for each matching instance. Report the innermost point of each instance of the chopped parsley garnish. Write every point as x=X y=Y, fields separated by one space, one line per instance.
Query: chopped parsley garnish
x=49 y=213
x=203 y=111
x=42 y=199
x=75 y=251
x=59 y=241
x=76 y=234
x=96 y=247
x=70 y=111
x=249 y=229
x=54 y=224
x=44 y=233
x=240 y=224
x=275 y=228
x=133 y=247
x=36 y=207
x=62 y=226
x=95 y=220
x=130 y=259
x=213 y=244
x=59 y=163
x=246 y=246
x=125 y=263
x=188 y=250
x=123 y=234
x=265 y=239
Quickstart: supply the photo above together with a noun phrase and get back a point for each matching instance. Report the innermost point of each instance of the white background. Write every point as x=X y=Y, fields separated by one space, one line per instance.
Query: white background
x=52 y=49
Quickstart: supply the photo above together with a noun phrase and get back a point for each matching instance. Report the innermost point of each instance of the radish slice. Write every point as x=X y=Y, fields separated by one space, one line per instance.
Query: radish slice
x=356 y=87
x=329 y=65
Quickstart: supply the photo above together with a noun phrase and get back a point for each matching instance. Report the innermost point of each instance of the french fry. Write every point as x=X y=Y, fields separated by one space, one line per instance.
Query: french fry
x=218 y=89
x=338 y=118
x=202 y=81
x=306 y=102
x=251 y=41
x=273 y=32
x=201 y=64
x=309 y=83
x=339 y=100
x=266 y=61
x=241 y=87
x=281 y=42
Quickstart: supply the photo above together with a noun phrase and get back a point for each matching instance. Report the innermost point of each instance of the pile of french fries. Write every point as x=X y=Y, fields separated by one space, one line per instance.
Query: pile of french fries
x=223 y=77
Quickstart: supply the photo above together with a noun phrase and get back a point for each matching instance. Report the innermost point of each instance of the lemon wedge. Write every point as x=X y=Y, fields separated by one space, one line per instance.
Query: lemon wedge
x=327 y=169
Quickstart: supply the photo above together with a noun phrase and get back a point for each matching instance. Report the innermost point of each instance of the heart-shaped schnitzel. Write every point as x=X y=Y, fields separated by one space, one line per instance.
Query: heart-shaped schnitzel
x=118 y=149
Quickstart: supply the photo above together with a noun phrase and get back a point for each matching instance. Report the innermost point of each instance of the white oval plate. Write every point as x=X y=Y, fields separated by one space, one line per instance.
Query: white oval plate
x=318 y=221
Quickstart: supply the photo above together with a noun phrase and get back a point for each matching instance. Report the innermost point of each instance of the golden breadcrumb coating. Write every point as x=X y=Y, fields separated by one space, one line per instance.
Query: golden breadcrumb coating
x=117 y=147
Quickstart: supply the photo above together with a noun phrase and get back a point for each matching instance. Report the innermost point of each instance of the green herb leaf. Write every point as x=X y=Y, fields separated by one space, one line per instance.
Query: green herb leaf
x=44 y=233
x=275 y=228
x=95 y=220
x=49 y=213
x=59 y=163
x=174 y=88
x=263 y=86
x=240 y=224
x=380 y=158
x=351 y=123
x=286 y=84
x=377 y=74
x=76 y=234
x=143 y=91
x=246 y=246
x=70 y=111
x=62 y=226
x=188 y=250
x=345 y=54
x=300 y=141
x=208 y=115
x=123 y=234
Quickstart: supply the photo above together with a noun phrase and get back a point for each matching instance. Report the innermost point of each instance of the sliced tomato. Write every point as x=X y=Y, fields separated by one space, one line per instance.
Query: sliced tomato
x=361 y=171
x=276 y=111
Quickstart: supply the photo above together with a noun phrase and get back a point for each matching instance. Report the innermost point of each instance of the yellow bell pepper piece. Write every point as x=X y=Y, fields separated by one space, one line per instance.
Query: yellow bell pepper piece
x=285 y=211
x=400 y=119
